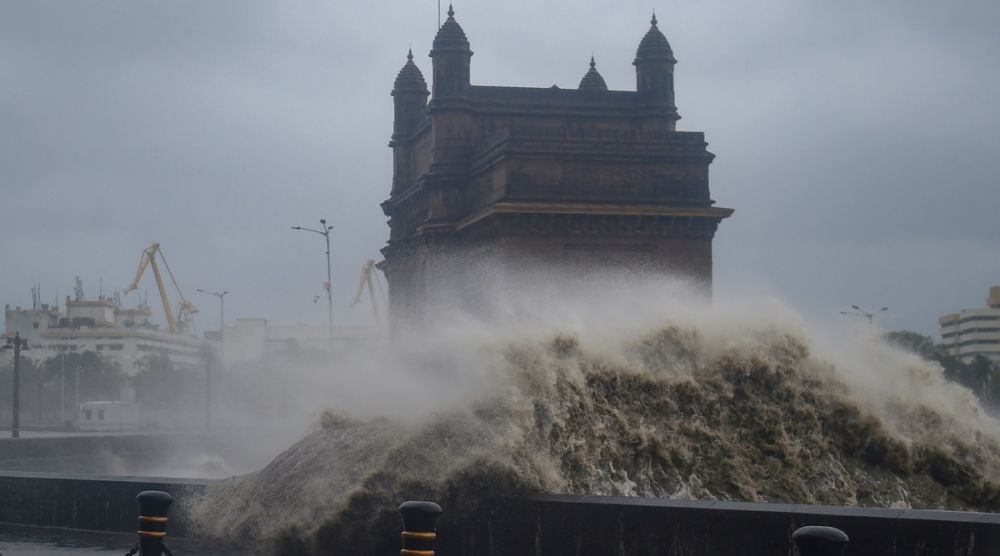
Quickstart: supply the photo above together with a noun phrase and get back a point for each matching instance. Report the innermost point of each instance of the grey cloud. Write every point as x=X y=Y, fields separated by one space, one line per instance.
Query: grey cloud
x=857 y=140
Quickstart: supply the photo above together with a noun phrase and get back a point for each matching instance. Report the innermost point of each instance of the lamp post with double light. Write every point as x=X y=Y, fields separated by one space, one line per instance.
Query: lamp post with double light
x=869 y=315
x=17 y=344
x=325 y=232
x=222 y=354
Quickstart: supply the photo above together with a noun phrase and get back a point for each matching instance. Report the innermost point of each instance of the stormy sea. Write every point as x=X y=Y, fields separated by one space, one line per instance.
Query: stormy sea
x=633 y=394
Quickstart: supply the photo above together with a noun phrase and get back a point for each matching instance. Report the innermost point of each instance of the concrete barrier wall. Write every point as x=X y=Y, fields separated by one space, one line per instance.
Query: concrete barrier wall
x=158 y=454
x=90 y=502
x=550 y=525
x=95 y=453
x=591 y=526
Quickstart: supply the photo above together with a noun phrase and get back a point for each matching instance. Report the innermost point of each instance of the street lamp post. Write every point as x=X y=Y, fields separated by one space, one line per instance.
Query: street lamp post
x=18 y=345
x=325 y=232
x=222 y=314
x=869 y=315
x=63 y=348
x=62 y=384
x=38 y=394
x=222 y=353
x=76 y=388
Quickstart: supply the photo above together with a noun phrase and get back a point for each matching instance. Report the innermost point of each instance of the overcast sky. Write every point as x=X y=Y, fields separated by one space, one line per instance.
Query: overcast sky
x=858 y=141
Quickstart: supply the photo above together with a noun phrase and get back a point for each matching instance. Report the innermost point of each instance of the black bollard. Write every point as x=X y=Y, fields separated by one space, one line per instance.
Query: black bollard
x=419 y=535
x=153 y=507
x=815 y=540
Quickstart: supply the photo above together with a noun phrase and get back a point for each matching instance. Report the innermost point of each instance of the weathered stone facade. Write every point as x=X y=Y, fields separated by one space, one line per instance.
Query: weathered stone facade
x=489 y=180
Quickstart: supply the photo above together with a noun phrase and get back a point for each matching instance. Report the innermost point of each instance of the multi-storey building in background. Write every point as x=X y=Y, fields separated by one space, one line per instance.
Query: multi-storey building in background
x=122 y=335
x=489 y=180
x=126 y=335
x=972 y=332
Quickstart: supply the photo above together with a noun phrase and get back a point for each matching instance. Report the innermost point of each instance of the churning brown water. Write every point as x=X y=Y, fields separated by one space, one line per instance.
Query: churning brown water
x=642 y=399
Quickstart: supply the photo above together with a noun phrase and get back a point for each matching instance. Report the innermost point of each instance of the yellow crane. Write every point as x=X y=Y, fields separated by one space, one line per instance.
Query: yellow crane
x=183 y=321
x=369 y=281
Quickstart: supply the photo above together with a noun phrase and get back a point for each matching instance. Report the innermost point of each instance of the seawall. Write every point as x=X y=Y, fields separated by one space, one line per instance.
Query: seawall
x=94 y=502
x=549 y=525
x=593 y=525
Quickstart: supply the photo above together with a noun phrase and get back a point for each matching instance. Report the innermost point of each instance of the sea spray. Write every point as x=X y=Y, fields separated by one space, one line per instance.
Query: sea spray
x=633 y=395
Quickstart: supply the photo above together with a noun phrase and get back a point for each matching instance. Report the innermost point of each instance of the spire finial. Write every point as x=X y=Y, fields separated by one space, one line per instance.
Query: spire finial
x=409 y=54
x=653 y=21
x=451 y=11
x=592 y=80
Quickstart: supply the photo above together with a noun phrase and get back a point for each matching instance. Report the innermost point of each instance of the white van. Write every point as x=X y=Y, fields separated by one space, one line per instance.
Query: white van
x=108 y=416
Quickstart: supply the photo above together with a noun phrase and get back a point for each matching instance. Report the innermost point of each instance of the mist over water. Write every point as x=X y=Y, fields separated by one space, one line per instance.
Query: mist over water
x=617 y=386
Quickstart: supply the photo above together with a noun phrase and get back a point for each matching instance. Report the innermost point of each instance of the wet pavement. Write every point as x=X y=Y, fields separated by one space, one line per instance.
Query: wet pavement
x=17 y=540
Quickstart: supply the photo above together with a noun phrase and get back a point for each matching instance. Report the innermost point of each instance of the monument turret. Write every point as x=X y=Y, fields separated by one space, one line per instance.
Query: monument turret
x=492 y=181
x=451 y=58
x=654 y=73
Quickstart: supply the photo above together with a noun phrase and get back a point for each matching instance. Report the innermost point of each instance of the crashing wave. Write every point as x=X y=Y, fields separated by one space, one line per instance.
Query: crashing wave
x=720 y=407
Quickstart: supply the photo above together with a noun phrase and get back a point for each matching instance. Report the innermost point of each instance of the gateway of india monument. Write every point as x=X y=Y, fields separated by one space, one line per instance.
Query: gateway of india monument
x=490 y=181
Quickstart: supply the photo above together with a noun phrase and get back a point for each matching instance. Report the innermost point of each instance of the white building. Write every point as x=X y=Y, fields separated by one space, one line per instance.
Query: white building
x=123 y=335
x=972 y=332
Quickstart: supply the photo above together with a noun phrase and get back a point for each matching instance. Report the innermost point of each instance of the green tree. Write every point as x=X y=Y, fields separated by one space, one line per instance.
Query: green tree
x=913 y=341
x=166 y=393
x=100 y=377
x=28 y=401
x=980 y=375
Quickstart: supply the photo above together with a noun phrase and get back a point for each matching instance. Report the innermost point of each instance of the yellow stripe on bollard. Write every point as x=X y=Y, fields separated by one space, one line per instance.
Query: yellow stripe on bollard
x=154 y=534
x=419 y=536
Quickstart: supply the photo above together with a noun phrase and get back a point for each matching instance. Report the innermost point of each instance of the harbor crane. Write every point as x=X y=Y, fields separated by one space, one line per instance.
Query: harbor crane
x=180 y=322
x=369 y=281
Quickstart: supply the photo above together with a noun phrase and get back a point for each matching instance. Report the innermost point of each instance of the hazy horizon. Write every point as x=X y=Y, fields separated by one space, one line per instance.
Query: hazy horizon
x=856 y=141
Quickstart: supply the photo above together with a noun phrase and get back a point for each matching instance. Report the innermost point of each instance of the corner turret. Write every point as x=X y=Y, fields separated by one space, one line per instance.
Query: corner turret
x=654 y=72
x=409 y=94
x=451 y=59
